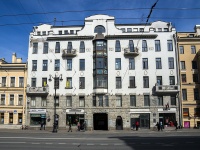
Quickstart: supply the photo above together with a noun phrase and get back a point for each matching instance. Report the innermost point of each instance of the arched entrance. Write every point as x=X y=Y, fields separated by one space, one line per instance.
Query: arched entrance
x=119 y=123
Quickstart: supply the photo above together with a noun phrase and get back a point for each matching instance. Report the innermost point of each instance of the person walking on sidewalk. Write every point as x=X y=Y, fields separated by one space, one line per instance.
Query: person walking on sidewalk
x=70 y=127
x=161 y=126
x=137 y=125
x=158 y=126
x=176 y=125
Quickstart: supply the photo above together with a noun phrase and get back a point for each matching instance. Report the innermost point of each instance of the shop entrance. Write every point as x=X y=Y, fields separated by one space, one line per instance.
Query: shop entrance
x=119 y=123
x=168 y=119
x=100 y=121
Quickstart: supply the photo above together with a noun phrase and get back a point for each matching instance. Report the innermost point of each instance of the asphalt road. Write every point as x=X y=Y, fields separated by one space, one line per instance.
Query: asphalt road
x=31 y=140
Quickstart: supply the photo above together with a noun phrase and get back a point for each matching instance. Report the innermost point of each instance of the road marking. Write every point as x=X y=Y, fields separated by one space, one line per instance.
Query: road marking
x=90 y=144
x=145 y=143
x=13 y=142
x=76 y=143
x=48 y=143
x=103 y=144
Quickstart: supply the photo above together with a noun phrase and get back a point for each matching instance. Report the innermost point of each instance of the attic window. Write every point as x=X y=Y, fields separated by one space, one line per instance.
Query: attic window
x=99 y=29
x=191 y=35
x=166 y=30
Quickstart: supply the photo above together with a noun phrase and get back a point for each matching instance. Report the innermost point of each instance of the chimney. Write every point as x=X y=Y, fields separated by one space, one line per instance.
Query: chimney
x=14 y=58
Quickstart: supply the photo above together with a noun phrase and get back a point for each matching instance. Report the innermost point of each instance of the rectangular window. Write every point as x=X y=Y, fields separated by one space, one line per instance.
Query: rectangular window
x=35 y=48
x=45 y=65
x=94 y=101
x=66 y=32
x=100 y=63
x=60 y=32
x=82 y=83
x=57 y=47
x=82 y=64
x=100 y=100
x=106 y=101
x=133 y=100
x=173 y=100
x=144 y=46
x=45 y=48
x=33 y=82
x=19 y=118
x=44 y=102
x=184 y=94
x=145 y=82
x=117 y=46
x=3 y=84
x=38 y=33
x=43 y=32
x=181 y=49
x=141 y=29
x=197 y=112
x=131 y=64
x=159 y=80
x=193 y=49
x=69 y=64
x=33 y=101
x=118 y=83
x=1 y=118
x=20 y=100
x=129 y=29
x=81 y=101
x=169 y=45
x=44 y=82
x=135 y=29
x=21 y=81
x=146 y=100
x=12 y=82
x=172 y=80
x=12 y=99
x=123 y=30
x=182 y=65
x=160 y=101
x=185 y=112
x=171 y=62
x=71 y=31
x=131 y=46
x=69 y=47
x=34 y=65
x=157 y=45
x=194 y=64
x=82 y=47
x=69 y=83
x=195 y=78
x=10 y=118
x=145 y=63
x=3 y=99
x=166 y=30
x=132 y=82
x=158 y=63
x=69 y=101
x=118 y=101
x=57 y=65
x=183 y=78
x=196 y=94
x=117 y=63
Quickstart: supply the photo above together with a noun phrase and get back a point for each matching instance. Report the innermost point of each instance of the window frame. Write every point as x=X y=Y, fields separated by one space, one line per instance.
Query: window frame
x=157 y=46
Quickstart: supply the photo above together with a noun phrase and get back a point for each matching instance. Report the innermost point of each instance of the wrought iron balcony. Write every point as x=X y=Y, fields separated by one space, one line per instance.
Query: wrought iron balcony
x=37 y=90
x=167 y=88
x=129 y=52
x=69 y=53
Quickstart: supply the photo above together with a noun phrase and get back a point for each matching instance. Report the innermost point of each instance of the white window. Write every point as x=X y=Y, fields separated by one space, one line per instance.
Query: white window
x=119 y=101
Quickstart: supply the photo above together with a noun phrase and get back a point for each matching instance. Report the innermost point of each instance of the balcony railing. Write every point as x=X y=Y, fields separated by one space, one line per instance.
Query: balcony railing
x=167 y=88
x=101 y=84
x=69 y=53
x=38 y=90
x=128 y=52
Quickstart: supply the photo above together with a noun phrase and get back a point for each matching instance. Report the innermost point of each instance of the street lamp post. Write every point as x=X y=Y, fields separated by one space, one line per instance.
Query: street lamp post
x=56 y=86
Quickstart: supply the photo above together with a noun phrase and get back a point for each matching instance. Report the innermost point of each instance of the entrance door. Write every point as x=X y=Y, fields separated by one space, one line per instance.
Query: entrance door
x=100 y=121
x=119 y=123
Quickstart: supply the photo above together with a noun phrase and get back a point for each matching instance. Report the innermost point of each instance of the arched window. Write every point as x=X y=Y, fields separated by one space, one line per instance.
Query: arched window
x=99 y=29
x=117 y=46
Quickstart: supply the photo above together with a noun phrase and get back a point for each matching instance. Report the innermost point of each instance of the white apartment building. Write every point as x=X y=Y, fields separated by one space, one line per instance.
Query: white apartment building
x=110 y=75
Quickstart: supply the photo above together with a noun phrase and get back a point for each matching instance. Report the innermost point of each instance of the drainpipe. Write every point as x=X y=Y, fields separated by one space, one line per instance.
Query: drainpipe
x=178 y=79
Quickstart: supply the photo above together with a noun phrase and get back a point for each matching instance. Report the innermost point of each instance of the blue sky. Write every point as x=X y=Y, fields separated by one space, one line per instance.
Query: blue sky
x=15 y=28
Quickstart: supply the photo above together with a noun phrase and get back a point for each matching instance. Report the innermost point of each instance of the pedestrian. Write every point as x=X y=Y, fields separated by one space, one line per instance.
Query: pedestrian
x=176 y=125
x=41 y=125
x=70 y=127
x=161 y=126
x=133 y=126
x=137 y=125
x=158 y=126
x=78 y=126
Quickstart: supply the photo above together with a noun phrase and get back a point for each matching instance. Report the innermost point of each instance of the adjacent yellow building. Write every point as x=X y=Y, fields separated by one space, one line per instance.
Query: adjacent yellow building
x=189 y=45
x=12 y=92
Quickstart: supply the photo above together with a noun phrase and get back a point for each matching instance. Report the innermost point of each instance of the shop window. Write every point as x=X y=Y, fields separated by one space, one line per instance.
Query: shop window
x=20 y=118
x=1 y=118
x=11 y=118
x=74 y=119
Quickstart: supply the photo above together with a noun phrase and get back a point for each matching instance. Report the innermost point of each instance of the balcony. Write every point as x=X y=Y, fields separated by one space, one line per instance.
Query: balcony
x=100 y=87
x=167 y=89
x=128 y=52
x=69 y=53
x=37 y=90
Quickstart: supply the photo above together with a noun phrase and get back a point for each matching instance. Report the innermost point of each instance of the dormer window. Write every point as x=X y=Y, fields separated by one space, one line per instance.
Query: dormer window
x=191 y=35
x=99 y=29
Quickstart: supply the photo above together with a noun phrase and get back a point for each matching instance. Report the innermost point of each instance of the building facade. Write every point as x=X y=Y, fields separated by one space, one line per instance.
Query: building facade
x=189 y=44
x=12 y=92
x=104 y=74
